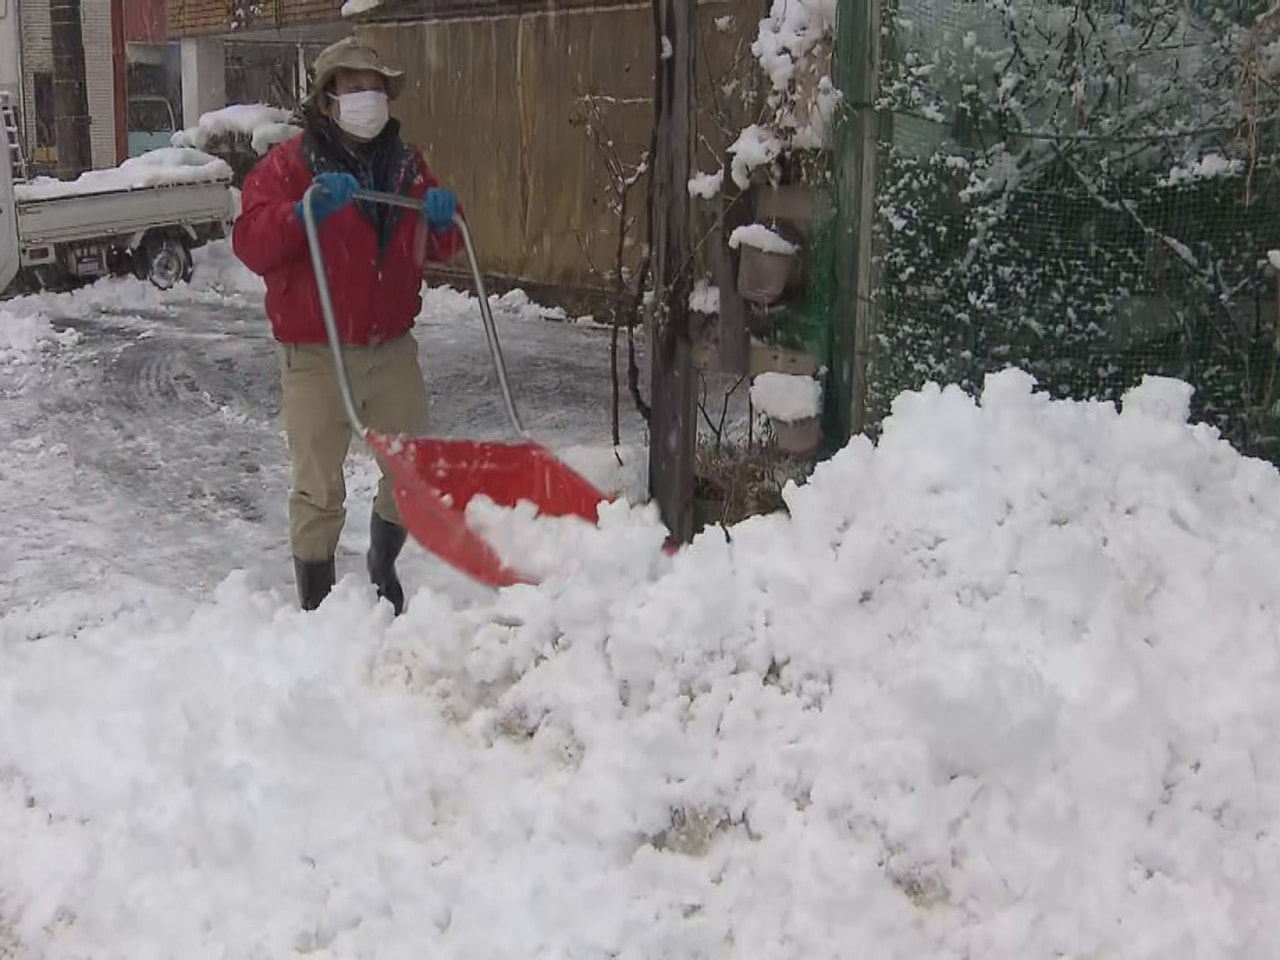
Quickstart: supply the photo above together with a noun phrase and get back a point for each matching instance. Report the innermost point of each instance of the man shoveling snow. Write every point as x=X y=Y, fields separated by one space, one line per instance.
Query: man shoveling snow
x=378 y=254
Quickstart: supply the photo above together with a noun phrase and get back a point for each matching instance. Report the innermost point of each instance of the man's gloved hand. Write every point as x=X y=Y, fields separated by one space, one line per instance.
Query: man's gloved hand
x=440 y=205
x=333 y=191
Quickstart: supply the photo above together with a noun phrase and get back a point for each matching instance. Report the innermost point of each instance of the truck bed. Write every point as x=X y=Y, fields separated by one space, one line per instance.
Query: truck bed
x=67 y=218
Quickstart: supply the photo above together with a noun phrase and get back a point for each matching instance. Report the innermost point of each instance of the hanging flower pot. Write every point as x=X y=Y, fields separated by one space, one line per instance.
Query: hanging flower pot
x=800 y=438
x=766 y=263
x=793 y=405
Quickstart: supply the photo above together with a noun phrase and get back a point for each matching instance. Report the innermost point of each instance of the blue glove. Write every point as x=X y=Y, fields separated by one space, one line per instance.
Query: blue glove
x=439 y=207
x=333 y=191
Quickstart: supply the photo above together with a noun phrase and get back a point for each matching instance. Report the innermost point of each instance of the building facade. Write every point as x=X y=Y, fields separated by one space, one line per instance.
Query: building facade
x=237 y=51
x=36 y=58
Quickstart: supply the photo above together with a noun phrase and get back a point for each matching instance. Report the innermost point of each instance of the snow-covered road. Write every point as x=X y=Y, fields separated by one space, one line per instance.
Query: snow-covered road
x=147 y=445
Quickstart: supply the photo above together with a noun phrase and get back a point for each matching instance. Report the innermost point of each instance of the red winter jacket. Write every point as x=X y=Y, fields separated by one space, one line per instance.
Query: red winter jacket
x=372 y=302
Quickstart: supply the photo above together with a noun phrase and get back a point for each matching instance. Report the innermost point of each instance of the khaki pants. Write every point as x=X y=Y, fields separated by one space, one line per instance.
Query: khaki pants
x=390 y=396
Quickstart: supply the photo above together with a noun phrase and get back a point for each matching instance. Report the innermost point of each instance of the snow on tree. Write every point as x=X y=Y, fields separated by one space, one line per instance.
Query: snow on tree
x=1083 y=189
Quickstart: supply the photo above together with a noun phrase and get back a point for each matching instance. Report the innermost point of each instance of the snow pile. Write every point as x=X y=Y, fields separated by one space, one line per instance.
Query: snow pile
x=618 y=471
x=786 y=397
x=217 y=269
x=760 y=237
x=23 y=335
x=269 y=134
x=353 y=8
x=168 y=166
x=536 y=547
x=264 y=125
x=706 y=185
x=515 y=305
x=1274 y=257
x=1000 y=687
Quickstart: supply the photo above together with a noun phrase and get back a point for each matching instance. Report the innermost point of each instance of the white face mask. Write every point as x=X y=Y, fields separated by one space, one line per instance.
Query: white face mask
x=362 y=114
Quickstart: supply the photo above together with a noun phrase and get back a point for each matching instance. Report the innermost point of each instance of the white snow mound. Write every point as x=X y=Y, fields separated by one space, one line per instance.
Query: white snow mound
x=265 y=126
x=1002 y=686
x=23 y=335
x=167 y=166
x=786 y=397
x=762 y=238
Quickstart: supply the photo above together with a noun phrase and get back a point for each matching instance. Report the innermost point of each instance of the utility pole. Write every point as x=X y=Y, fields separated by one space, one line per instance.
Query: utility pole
x=673 y=421
x=70 y=99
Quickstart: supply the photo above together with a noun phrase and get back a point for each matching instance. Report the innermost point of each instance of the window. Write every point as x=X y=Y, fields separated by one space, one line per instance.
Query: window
x=46 y=135
x=150 y=115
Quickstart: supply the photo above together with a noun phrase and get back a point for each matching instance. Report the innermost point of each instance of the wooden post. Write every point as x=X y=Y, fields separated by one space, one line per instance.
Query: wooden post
x=857 y=70
x=673 y=422
x=70 y=99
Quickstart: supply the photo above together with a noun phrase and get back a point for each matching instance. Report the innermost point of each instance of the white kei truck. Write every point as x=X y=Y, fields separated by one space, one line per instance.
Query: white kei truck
x=144 y=218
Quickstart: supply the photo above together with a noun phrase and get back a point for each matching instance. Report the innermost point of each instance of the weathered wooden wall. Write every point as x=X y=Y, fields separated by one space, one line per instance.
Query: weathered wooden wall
x=492 y=101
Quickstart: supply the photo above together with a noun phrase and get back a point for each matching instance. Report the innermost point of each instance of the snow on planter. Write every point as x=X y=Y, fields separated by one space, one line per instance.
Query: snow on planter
x=786 y=397
x=264 y=125
x=760 y=237
x=164 y=167
x=1002 y=685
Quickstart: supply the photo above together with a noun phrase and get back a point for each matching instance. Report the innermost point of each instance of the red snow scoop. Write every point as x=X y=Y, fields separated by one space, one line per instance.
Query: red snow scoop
x=435 y=478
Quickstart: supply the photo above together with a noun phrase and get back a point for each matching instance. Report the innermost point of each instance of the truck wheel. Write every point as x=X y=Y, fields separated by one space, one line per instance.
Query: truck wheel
x=165 y=261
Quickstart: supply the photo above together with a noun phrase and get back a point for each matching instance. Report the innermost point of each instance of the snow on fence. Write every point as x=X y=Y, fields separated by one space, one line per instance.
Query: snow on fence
x=1088 y=238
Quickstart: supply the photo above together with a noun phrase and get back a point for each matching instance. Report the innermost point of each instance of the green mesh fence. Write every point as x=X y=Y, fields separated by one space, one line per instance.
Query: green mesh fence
x=1085 y=190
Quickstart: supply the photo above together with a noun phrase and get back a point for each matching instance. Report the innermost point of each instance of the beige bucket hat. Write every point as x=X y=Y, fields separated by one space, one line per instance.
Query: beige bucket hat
x=350 y=54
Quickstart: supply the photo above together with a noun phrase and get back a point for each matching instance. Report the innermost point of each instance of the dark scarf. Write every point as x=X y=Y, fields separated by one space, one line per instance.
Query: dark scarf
x=386 y=164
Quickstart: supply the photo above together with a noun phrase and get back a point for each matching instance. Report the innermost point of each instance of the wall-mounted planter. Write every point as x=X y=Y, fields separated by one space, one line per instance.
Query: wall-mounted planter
x=793 y=405
x=765 y=265
x=763 y=276
x=800 y=438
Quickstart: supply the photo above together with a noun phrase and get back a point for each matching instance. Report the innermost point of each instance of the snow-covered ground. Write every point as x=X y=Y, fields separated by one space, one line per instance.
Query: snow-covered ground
x=1002 y=687
x=139 y=436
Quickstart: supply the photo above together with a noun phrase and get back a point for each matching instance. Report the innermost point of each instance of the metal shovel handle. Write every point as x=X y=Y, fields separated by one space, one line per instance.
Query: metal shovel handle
x=331 y=326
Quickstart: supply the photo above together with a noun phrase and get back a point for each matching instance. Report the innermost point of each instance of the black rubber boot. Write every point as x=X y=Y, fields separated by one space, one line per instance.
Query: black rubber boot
x=386 y=540
x=315 y=579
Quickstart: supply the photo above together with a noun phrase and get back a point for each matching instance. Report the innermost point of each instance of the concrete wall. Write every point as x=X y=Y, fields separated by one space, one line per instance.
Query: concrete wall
x=491 y=101
x=204 y=78
x=95 y=21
